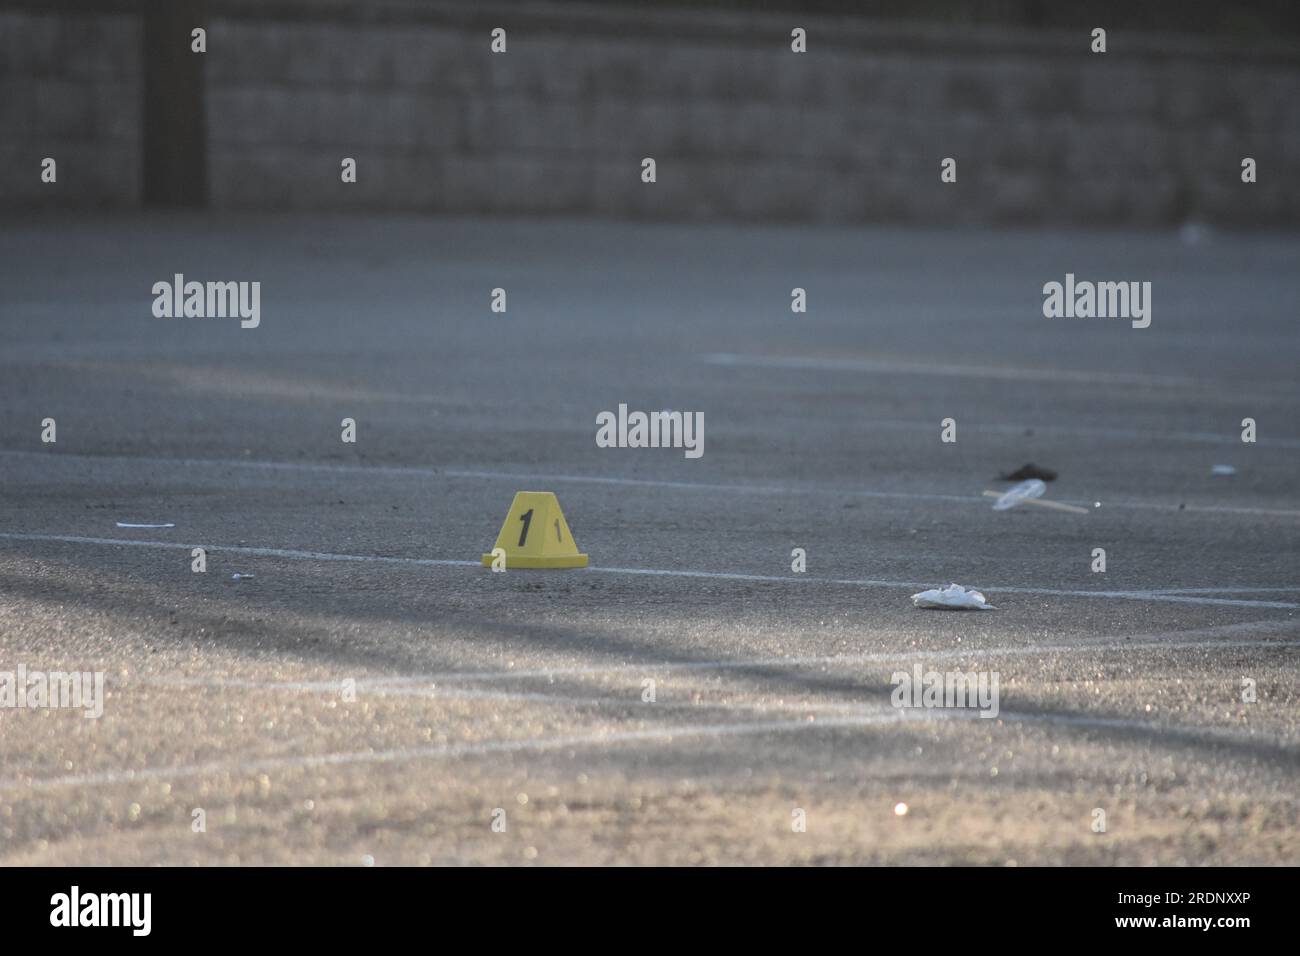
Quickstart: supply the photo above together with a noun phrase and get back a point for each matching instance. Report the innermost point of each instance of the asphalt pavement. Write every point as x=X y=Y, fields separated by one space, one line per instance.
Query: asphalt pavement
x=366 y=693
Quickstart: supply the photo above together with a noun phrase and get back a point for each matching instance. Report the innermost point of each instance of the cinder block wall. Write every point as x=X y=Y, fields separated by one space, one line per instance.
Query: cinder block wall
x=1043 y=130
x=70 y=89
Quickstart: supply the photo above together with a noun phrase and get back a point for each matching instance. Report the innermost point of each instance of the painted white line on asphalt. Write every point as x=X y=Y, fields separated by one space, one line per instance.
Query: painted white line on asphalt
x=1209 y=735
x=1231 y=439
x=630 y=700
x=892 y=365
x=799 y=580
x=290 y=553
x=431 y=686
x=448 y=751
x=901 y=366
x=415 y=471
x=1210 y=638
x=599 y=739
x=989 y=589
x=411 y=471
x=1227 y=590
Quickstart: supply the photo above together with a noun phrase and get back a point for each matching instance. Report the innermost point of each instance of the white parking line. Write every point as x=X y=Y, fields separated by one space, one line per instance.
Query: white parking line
x=448 y=751
x=990 y=589
x=432 y=683
x=611 y=738
x=416 y=471
x=893 y=365
x=1229 y=439
x=1206 y=637
x=799 y=580
x=899 y=366
x=1226 y=590
x=290 y=553
x=802 y=488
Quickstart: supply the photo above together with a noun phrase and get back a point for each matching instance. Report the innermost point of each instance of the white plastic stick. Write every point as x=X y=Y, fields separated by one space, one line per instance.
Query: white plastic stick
x=1043 y=503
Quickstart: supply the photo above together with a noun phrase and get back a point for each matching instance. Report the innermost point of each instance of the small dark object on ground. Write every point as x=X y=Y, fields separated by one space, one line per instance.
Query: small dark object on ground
x=1025 y=472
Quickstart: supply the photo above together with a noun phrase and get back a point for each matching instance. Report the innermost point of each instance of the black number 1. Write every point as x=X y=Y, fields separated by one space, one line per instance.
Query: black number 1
x=527 y=519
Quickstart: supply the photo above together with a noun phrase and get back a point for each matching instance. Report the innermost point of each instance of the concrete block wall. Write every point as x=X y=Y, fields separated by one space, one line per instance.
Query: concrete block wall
x=1044 y=131
x=70 y=89
x=742 y=128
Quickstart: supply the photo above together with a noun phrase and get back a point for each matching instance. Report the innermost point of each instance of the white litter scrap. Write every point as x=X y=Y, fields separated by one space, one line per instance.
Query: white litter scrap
x=1033 y=488
x=1030 y=493
x=126 y=524
x=953 y=597
x=1223 y=470
x=240 y=577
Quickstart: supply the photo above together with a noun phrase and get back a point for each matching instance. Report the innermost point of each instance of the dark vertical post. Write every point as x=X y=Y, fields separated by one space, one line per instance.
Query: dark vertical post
x=175 y=135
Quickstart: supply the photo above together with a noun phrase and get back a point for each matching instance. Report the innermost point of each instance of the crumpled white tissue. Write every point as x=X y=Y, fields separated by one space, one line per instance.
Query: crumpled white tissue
x=954 y=596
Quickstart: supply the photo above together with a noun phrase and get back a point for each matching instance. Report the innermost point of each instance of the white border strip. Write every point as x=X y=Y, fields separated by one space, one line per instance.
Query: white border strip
x=801 y=580
x=1005 y=373
x=612 y=738
x=415 y=471
x=1164 y=642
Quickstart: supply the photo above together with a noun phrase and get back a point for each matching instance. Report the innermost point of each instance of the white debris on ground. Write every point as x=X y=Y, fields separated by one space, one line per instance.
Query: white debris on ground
x=1223 y=470
x=953 y=597
x=1033 y=488
x=127 y=524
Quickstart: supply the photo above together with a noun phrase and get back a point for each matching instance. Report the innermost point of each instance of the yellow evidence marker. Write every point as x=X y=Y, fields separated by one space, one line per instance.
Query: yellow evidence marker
x=536 y=535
